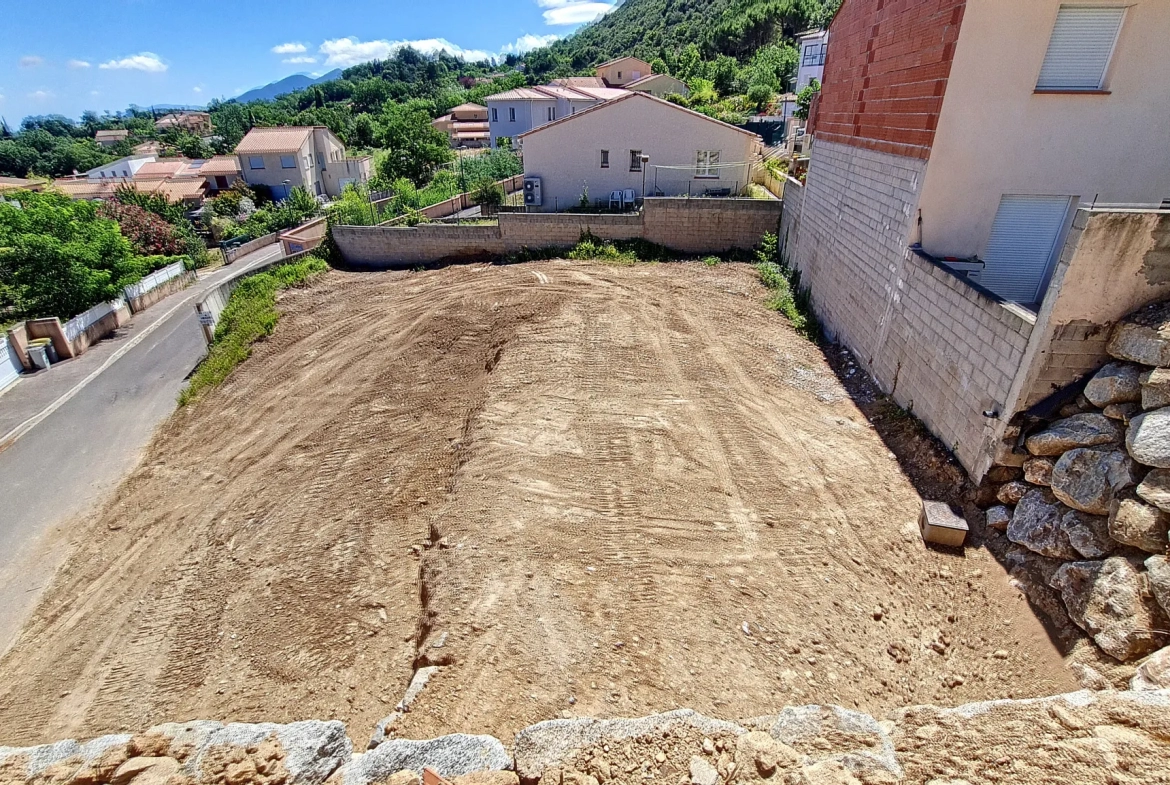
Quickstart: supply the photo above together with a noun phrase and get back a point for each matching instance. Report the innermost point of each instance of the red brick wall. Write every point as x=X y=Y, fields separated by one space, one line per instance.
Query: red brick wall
x=886 y=72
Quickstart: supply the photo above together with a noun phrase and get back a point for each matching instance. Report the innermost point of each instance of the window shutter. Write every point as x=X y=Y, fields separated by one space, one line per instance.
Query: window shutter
x=1080 y=48
x=1023 y=240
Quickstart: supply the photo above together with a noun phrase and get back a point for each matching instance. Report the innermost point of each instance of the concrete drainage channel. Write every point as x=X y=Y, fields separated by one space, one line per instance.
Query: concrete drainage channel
x=1081 y=737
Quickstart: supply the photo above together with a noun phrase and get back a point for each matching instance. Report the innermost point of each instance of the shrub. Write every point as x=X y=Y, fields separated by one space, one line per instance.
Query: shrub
x=147 y=232
x=786 y=294
x=710 y=261
x=250 y=315
x=497 y=165
x=488 y=194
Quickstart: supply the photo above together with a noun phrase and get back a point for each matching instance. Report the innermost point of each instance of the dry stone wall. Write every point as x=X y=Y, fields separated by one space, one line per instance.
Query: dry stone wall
x=1093 y=492
x=1083 y=737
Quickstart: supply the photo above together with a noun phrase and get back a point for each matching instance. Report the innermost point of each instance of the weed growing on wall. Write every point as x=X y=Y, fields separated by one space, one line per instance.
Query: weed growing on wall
x=786 y=294
x=250 y=315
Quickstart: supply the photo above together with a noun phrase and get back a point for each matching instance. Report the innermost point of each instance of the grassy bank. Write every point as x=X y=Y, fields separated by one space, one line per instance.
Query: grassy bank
x=250 y=315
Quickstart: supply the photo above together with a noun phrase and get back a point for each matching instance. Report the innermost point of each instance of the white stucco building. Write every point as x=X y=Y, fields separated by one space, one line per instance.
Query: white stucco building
x=813 y=47
x=518 y=111
x=601 y=149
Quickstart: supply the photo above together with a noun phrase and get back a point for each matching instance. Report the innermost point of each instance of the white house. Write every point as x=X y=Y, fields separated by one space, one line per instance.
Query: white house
x=605 y=148
x=813 y=46
x=122 y=169
x=515 y=112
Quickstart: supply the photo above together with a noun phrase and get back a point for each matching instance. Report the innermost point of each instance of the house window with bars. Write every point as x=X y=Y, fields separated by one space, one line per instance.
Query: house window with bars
x=635 y=160
x=605 y=159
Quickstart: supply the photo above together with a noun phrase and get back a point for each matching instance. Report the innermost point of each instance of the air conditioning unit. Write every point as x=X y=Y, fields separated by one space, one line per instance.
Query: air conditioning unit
x=532 y=192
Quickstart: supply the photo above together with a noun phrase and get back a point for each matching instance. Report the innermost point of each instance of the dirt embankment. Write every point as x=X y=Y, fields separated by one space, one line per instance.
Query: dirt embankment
x=585 y=490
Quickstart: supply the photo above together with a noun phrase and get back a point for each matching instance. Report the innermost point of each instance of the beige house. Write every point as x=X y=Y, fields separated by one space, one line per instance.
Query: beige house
x=311 y=157
x=466 y=126
x=659 y=86
x=220 y=172
x=111 y=137
x=622 y=71
x=639 y=143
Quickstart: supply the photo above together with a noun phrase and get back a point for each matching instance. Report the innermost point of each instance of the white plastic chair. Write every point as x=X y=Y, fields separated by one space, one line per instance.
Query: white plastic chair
x=615 y=199
x=629 y=197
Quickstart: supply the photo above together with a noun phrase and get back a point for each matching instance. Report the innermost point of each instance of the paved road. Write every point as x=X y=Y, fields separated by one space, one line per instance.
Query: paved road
x=68 y=462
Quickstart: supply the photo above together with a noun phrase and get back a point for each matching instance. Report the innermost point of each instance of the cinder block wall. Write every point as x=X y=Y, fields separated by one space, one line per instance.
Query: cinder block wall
x=382 y=246
x=685 y=225
x=937 y=345
x=710 y=225
x=561 y=230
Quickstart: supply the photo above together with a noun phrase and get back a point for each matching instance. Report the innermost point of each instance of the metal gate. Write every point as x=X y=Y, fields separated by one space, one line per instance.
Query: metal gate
x=9 y=365
x=1022 y=245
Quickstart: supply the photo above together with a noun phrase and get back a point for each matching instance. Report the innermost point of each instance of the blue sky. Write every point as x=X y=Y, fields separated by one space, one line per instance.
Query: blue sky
x=66 y=56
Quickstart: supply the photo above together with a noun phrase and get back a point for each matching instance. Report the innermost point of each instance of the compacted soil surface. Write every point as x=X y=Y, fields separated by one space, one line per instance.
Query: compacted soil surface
x=580 y=489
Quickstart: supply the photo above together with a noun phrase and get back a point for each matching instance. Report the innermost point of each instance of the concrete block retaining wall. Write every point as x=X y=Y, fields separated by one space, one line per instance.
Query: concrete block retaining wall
x=939 y=346
x=232 y=254
x=685 y=225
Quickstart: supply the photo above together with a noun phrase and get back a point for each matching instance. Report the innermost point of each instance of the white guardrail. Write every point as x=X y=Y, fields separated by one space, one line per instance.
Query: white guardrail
x=157 y=278
x=80 y=323
x=83 y=321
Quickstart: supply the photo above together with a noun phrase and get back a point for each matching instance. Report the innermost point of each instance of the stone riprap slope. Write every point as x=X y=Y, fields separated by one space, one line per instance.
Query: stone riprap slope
x=1084 y=737
x=1091 y=501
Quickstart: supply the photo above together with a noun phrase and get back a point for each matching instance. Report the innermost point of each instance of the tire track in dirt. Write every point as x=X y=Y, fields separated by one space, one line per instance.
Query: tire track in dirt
x=562 y=480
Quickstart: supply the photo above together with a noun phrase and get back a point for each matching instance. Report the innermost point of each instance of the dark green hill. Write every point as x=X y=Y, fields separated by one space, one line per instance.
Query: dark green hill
x=658 y=28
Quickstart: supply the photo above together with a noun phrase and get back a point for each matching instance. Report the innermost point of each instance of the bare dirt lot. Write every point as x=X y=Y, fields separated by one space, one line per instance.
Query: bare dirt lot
x=583 y=489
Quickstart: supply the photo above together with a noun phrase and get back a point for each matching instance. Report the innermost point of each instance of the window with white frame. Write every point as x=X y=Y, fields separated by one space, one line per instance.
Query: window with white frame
x=511 y=114
x=706 y=163
x=552 y=113
x=255 y=162
x=288 y=162
x=495 y=115
x=605 y=159
x=1081 y=46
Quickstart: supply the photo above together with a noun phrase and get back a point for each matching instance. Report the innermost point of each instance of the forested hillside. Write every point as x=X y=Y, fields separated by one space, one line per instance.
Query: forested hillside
x=734 y=55
x=655 y=28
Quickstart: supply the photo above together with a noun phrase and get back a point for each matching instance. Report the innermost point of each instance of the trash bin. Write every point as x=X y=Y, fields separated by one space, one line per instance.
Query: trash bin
x=51 y=351
x=39 y=357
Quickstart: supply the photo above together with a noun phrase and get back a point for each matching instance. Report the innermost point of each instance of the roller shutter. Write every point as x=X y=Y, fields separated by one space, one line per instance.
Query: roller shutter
x=1080 y=48
x=1023 y=239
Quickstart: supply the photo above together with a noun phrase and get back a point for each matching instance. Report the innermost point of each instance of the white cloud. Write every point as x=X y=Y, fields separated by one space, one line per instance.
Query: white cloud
x=144 y=61
x=76 y=64
x=197 y=89
x=302 y=59
x=574 y=12
x=31 y=61
x=344 y=52
x=528 y=42
x=291 y=48
x=40 y=95
x=95 y=93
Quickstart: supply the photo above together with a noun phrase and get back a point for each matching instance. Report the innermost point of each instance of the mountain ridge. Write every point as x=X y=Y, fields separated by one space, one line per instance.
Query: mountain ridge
x=289 y=84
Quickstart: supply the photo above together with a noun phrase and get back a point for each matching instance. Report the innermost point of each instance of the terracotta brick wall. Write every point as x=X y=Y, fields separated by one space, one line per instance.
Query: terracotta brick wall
x=886 y=73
